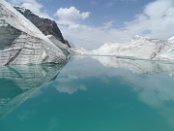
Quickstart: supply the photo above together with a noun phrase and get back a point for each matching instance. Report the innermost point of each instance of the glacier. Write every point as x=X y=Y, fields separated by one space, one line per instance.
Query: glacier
x=138 y=48
x=21 y=42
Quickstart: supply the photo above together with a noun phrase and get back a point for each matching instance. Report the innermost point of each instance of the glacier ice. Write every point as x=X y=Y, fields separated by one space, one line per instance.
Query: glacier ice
x=21 y=42
x=138 y=48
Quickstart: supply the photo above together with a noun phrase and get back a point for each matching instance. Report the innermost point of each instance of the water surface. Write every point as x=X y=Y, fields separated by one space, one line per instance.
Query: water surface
x=88 y=94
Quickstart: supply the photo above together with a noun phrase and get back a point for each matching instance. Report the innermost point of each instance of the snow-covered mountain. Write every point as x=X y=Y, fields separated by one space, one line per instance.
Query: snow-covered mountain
x=21 y=42
x=171 y=40
x=138 y=48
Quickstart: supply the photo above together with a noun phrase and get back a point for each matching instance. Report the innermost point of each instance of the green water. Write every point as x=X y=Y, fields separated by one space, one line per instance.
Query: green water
x=88 y=94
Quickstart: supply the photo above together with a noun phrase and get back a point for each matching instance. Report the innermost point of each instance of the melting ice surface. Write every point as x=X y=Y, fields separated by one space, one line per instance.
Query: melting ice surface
x=88 y=94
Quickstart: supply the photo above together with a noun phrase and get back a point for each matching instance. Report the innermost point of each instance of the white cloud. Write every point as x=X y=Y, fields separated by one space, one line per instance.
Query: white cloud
x=93 y=37
x=70 y=16
x=32 y=5
x=156 y=21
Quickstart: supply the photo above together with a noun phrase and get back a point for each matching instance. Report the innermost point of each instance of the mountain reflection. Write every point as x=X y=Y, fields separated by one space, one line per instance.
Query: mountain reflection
x=151 y=81
x=81 y=67
x=100 y=93
x=137 y=66
x=18 y=83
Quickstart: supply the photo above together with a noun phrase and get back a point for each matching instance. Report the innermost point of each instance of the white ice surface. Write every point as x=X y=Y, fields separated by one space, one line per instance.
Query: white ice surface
x=18 y=21
x=139 y=47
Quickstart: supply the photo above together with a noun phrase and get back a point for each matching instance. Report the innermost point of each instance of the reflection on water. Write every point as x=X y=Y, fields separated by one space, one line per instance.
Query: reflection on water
x=17 y=83
x=97 y=93
x=137 y=66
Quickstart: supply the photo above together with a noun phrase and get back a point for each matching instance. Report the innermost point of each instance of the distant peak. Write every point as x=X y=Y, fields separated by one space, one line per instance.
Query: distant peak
x=21 y=9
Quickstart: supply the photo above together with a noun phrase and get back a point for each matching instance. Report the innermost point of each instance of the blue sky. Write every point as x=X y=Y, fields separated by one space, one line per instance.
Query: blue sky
x=101 y=11
x=92 y=23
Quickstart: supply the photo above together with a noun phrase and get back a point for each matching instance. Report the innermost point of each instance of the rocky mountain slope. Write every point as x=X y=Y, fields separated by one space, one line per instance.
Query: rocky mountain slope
x=47 y=26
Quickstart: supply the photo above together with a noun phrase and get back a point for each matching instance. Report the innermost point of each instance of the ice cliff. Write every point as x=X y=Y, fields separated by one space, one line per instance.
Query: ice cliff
x=21 y=42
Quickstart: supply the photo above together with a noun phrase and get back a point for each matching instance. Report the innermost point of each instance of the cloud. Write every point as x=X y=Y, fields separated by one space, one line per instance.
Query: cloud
x=91 y=37
x=32 y=5
x=70 y=16
x=155 y=21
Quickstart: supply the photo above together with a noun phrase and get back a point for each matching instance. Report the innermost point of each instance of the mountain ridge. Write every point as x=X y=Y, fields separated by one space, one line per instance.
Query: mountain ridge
x=45 y=25
x=139 y=48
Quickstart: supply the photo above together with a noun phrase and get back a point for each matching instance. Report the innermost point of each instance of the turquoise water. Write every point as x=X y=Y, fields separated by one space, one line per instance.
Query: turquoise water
x=88 y=94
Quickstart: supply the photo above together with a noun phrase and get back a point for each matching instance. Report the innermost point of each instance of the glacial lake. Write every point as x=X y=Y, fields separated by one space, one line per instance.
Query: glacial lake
x=88 y=94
